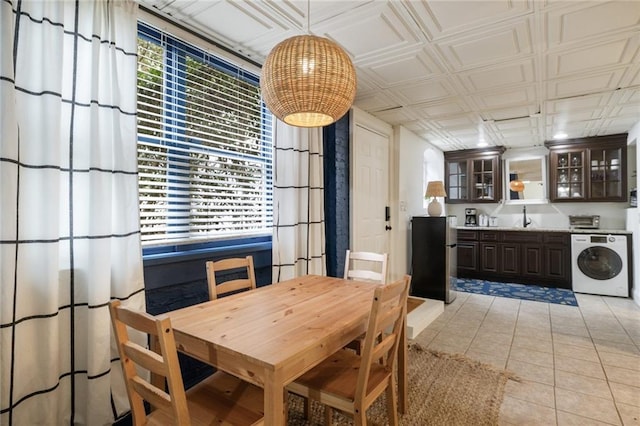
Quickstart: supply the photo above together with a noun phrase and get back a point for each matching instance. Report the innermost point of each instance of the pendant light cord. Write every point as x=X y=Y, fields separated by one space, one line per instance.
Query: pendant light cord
x=308 y=17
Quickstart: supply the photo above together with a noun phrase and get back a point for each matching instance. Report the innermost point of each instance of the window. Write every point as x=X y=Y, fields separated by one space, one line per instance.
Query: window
x=204 y=145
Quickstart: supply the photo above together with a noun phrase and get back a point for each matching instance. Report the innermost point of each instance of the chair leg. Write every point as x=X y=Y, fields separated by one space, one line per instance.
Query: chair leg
x=307 y=407
x=360 y=416
x=392 y=402
x=286 y=407
x=328 y=415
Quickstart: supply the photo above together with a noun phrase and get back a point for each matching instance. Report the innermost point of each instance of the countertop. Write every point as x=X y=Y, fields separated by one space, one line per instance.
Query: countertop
x=540 y=229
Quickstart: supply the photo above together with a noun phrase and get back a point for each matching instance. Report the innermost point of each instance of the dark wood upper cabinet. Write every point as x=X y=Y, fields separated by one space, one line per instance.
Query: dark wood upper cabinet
x=588 y=169
x=474 y=175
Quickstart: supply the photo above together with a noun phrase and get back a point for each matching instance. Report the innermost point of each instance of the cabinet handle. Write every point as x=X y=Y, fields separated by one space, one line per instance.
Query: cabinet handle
x=387 y=228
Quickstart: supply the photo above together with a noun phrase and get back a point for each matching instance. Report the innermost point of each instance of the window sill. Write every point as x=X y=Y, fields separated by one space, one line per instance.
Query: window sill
x=175 y=254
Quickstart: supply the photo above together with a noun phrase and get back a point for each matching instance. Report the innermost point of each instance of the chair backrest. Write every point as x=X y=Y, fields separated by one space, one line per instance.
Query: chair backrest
x=375 y=264
x=243 y=265
x=132 y=355
x=382 y=339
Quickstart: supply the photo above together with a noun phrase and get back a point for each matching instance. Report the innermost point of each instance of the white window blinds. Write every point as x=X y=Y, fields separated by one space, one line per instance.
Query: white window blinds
x=204 y=145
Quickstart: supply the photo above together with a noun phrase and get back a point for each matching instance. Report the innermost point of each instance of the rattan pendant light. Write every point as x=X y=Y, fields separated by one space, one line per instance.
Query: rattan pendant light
x=308 y=81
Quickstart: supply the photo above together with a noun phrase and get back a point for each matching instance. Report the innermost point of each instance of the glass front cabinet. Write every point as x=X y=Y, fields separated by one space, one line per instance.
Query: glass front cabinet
x=473 y=175
x=570 y=182
x=588 y=169
x=457 y=187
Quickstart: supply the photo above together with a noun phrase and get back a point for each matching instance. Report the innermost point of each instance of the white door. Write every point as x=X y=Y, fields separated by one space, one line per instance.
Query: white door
x=369 y=190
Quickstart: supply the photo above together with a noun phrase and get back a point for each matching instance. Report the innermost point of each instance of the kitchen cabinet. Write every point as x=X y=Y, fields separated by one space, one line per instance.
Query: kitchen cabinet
x=467 y=250
x=489 y=257
x=588 y=169
x=509 y=259
x=532 y=261
x=556 y=251
x=473 y=175
x=527 y=257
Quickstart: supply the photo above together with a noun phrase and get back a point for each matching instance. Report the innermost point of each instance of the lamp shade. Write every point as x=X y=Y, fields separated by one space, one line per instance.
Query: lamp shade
x=308 y=81
x=435 y=188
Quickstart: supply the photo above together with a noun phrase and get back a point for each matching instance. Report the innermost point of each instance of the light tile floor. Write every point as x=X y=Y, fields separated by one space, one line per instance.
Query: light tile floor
x=578 y=365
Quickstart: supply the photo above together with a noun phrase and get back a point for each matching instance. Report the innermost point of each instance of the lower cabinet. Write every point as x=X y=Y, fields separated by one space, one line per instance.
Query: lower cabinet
x=527 y=257
x=532 y=262
x=467 y=252
x=510 y=259
x=557 y=259
x=489 y=257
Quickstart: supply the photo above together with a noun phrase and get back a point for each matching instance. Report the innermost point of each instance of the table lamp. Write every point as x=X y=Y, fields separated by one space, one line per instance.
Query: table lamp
x=435 y=189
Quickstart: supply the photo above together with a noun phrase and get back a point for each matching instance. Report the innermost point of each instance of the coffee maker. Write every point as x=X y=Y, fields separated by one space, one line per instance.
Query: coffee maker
x=470 y=217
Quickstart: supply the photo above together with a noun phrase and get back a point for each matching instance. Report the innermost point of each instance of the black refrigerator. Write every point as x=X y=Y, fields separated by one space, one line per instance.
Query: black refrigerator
x=433 y=258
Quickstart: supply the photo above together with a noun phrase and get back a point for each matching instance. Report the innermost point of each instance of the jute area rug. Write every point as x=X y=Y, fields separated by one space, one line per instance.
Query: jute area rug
x=444 y=389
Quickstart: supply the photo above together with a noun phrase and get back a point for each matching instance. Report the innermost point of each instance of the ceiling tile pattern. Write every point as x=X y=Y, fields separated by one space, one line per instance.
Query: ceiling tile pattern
x=511 y=72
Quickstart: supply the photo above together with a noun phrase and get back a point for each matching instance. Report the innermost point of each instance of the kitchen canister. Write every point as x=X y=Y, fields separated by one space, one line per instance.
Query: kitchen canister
x=493 y=221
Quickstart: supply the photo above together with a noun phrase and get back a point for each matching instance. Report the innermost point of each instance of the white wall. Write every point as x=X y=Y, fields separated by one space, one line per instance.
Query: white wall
x=553 y=215
x=417 y=162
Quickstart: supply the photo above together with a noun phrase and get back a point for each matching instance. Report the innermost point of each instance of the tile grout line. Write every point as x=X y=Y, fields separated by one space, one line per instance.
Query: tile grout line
x=621 y=324
x=534 y=315
x=553 y=364
x=604 y=370
x=600 y=361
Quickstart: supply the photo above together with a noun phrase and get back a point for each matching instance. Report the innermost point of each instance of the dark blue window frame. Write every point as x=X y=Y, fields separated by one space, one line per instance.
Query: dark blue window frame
x=175 y=57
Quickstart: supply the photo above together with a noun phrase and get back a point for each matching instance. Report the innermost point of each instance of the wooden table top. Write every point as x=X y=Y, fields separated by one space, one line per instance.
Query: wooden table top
x=276 y=324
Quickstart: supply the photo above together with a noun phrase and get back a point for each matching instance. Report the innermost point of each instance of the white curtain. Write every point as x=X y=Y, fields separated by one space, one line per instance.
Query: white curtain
x=298 y=203
x=69 y=224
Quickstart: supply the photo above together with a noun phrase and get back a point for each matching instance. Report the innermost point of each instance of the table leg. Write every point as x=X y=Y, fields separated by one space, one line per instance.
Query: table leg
x=274 y=393
x=402 y=370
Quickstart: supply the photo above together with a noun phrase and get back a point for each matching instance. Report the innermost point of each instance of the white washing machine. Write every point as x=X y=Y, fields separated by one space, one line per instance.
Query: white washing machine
x=599 y=264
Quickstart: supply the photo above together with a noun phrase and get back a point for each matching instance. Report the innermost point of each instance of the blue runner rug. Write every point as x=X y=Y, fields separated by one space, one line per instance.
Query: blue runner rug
x=518 y=291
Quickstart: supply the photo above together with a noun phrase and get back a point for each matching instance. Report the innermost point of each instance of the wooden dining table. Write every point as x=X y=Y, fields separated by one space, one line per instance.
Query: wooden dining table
x=272 y=335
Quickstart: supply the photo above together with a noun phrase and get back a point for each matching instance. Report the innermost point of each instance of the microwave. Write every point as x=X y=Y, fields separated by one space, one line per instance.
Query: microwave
x=584 y=222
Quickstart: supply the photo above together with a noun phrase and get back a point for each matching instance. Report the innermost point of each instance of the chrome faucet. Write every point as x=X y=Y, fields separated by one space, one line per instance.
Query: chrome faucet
x=525 y=221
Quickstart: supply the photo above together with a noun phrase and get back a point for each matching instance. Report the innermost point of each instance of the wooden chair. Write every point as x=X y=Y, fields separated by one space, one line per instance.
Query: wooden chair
x=350 y=382
x=219 y=399
x=356 y=259
x=353 y=269
x=236 y=284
